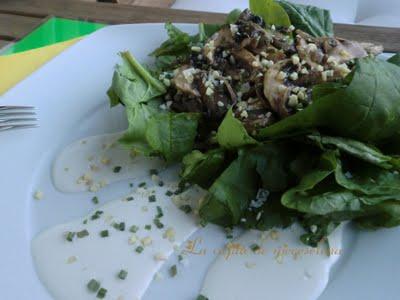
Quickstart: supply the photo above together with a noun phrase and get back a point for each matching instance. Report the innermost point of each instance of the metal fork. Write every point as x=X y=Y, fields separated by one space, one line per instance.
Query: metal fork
x=17 y=117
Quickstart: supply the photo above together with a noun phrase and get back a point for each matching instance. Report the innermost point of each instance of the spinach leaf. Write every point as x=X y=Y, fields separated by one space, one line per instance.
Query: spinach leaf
x=202 y=168
x=357 y=149
x=368 y=179
x=177 y=44
x=368 y=105
x=133 y=84
x=271 y=12
x=172 y=135
x=138 y=116
x=395 y=59
x=386 y=214
x=233 y=16
x=231 y=133
x=231 y=193
x=313 y=20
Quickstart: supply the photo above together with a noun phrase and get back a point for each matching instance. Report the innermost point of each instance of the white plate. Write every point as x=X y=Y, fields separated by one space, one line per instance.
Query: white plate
x=70 y=95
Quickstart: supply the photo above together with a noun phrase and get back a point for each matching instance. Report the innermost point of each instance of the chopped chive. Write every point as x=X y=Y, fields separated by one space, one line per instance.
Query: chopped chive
x=255 y=247
x=161 y=183
x=96 y=215
x=119 y=226
x=95 y=200
x=122 y=274
x=131 y=185
x=180 y=257
x=133 y=228
x=129 y=198
x=153 y=172
x=147 y=227
x=82 y=234
x=104 y=233
x=173 y=271
x=186 y=208
x=70 y=236
x=93 y=285
x=117 y=169
x=160 y=213
x=201 y=297
x=84 y=222
x=228 y=233
x=203 y=223
x=158 y=223
x=152 y=198
x=142 y=184
x=101 y=294
x=139 y=249
x=178 y=191
x=169 y=193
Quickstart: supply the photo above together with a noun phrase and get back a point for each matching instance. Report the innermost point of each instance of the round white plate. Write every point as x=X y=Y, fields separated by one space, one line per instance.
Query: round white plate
x=70 y=96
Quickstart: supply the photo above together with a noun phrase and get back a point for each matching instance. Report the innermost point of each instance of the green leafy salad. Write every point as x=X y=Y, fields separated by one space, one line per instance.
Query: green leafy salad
x=278 y=119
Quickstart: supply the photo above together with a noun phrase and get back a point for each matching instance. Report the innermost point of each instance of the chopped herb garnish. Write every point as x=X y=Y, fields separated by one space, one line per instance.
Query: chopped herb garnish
x=129 y=198
x=201 y=297
x=152 y=198
x=255 y=247
x=147 y=227
x=169 y=193
x=228 y=233
x=173 y=271
x=117 y=169
x=153 y=172
x=160 y=213
x=158 y=223
x=139 y=249
x=180 y=257
x=101 y=293
x=70 y=236
x=161 y=183
x=122 y=226
x=122 y=274
x=95 y=200
x=131 y=185
x=84 y=222
x=104 y=233
x=82 y=234
x=133 y=228
x=93 y=285
x=142 y=184
x=186 y=208
x=96 y=215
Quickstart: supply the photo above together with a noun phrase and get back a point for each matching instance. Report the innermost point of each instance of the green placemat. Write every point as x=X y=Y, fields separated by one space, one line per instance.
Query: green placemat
x=53 y=31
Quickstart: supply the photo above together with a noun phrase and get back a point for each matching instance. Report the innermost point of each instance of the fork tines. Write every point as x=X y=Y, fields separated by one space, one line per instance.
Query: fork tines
x=17 y=117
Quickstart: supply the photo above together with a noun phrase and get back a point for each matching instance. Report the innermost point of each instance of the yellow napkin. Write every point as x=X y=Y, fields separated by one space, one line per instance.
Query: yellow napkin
x=16 y=67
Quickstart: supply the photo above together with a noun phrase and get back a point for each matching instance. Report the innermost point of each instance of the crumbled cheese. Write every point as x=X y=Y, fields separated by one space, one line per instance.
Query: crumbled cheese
x=344 y=54
x=296 y=89
x=244 y=114
x=146 y=241
x=167 y=82
x=234 y=28
x=319 y=68
x=313 y=228
x=132 y=240
x=281 y=75
x=209 y=91
x=295 y=59
x=169 y=234
x=293 y=101
x=282 y=88
x=160 y=257
x=343 y=70
x=301 y=95
x=263 y=54
x=273 y=27
x=38 y=195
x=312 y=47
x=196 y=49
x=71 y=259
x=331 y=60
x=169 y=103
x=267 y=63
x=304 y=71
x=163 y=106
x=105 y=161
x=294 y=76
x=250 y=265
x=220 y=104
x=274 y=235
x=256 y=64
x=291 y=28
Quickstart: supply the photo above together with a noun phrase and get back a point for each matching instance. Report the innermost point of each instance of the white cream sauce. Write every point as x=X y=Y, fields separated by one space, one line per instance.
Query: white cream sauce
x=66 y=267
x=276 y=272
x=94 y=162
x=283 y=268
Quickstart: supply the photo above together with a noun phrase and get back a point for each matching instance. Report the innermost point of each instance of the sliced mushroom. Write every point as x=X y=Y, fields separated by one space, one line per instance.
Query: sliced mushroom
x=222 y=38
